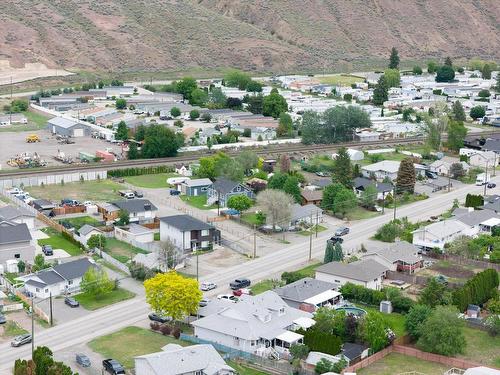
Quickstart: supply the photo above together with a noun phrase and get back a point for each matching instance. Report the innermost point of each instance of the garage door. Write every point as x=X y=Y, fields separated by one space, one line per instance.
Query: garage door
x=78 y=133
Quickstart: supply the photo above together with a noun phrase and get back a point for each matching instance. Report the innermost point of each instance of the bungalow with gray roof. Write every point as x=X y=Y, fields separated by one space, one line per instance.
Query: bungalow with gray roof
x=18 y=215
x=401 y=256
x=365 y=272
x=195 y=187
x=16 y=242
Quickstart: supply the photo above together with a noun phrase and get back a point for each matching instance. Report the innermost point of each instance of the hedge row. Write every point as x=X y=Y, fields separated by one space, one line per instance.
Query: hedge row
x=138 y=171
x=361 y=294
x=320 y=341
x=477 y=290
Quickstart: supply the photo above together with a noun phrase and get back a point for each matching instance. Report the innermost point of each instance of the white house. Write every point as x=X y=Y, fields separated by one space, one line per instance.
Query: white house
x=183 y=170
x=60 y=279
x=18 y=215
x=365 y=272
x=177 y=360
x=309 y=214
x=134 y=233
x=382 y=169
x=188 y=233
x=443 y=166
x=86 y=232
x=484 y=159
x=438 y=234
x=262 y=325
x=139 y=210
x=16 y=243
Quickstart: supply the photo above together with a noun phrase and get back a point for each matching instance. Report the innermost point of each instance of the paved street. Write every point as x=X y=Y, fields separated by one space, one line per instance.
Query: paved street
x=290 y=257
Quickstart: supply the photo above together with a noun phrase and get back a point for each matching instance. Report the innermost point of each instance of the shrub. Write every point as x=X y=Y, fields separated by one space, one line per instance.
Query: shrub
x=477 y=290
x=361 y=294
x=290 y=277
x=176 y=332
x=139 y=171
x=165 y=329
x=155 y=326
x=320 y=341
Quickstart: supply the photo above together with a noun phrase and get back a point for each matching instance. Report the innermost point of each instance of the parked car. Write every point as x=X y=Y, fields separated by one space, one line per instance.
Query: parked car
x=158 y=318
x=322 y=174
x=82 y=360
x=69 y=202
x=336 y=239
x=47 y=250
x=174 y=192
x=204 y=302
x=239 y=283
x=491 y=185
x=342 y=231
x=205 y=286
x=240 y=292
x=21 y=340
x=15 y=190
x=229 y=297
x=71 y=302
x=113 y=366
x=431 y=175
x=3 y=319
x=138 y=193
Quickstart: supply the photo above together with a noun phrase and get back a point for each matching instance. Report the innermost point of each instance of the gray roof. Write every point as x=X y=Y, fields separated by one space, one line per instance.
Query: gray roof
x=138 y=229
x=49 y=276
x=361 y=270
x=135 y=205
x=74 y=269
x=35 y=283
x=303 y=289
x=252 y=317
x=476 y=217
x=198 y=182
x=352 y=351
x=16 y=233
x=185 y=223
x=399 y=251
x=63 y=122
x=492 y=145
x=223 y=186
x=444 y=228
x=11 y=212
x=363 y=183
x=43 y=203
x=300 y=212
x=492 y=206
x=322 y=182
x=175 y=360
x=390 y=166
x=86 y=229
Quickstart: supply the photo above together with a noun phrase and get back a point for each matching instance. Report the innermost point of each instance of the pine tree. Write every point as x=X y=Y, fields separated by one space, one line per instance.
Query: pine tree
x=394 y=59
x=486 y=71
x=458 y=111
x=338 y=253
x=329 y=252
x=133 y=152
x=406 y=178
x=380 y=93
x=122 y=131
x=342 y=169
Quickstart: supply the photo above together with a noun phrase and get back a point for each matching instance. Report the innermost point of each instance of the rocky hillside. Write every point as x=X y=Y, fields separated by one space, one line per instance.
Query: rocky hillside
x=261 y=35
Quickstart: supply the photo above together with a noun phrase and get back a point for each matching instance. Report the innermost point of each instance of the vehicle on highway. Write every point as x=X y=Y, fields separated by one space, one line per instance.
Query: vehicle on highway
x=138 y=193
x=3 y=319
x=158 y=318
x=229 y=297
x=174 y=192
x=491 y=185
x=113 y=366
x=336 y=239
x=82 y=360
x=204 y=302
x=205 y=286
x=71 y=302
x=21 y=340
x=342 y=231
x=47 y=250
x=239 y=283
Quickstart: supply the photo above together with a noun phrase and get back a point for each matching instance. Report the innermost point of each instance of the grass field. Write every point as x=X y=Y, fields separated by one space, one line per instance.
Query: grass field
x=482 y=347
x=130 y=342
x=340 y=79
x=11 y=329
x=90 y=302
x=265 y=285
x=199 y=202
x=57 y=241
x=244 y=370
x=79 y=222
x=313 y=230
x=36 y=121
x=152 y=181
x=395 y=363
x=395 y=321
x=98 y=191
x=121 y=251
x=360 y=213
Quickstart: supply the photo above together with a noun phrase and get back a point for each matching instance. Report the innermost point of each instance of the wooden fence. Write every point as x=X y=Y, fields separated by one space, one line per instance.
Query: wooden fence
x=415 y=279
x=38 y=311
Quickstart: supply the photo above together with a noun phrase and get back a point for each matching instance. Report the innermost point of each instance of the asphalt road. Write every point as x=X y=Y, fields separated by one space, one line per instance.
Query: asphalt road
x=117 y=316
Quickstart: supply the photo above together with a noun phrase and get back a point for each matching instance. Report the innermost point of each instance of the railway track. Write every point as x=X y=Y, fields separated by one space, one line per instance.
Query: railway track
x=264 y=151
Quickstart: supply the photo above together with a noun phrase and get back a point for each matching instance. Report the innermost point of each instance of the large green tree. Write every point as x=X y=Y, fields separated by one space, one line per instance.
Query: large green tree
x=368 y=197
x=328 y=252
x=445 y=73
x=255 y=103
x=381 y=91
x=198 y=97
x=392 y=77
x=291 y=186
x=373 y=332
x=342 y=168
x=394 y=59
x=237 y=78
x=274 y=104
x=415 y=318
x=458 y=111
x=435 y=293
x=329 y=194
x=285 y=127
x=160 y=142
x=406 y=178
x=345 y=201
x=477 y=112
x=486 y=71
x=239 y=202
x=338 y=253
x=456 y=135
x=122 y=131
x=186 y=86
x=96 y=283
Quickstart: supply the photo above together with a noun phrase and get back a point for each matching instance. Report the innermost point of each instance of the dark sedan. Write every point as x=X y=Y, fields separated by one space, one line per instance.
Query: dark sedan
x=113 y=366
x=158 y=318
x=71 y=302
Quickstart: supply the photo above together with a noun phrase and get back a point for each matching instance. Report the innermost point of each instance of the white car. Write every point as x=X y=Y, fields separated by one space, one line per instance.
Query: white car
x=228 y=297
x=15 y=190
x=207 y=286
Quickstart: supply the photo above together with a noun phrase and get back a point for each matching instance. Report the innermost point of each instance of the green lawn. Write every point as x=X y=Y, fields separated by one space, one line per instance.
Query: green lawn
x=308 y=271
x=199 y=201
x=265 y=285
x=481 y=347
x=395 y=363
x=57 y=241
x=36 y=121
x=244 y=370
x=250 y=218
x=90 y=302
x=360 y=213
x=121 y=251
x=395 y=321
x=98 y=191
x=339 y=79
x=313 y=230
x=130 y=342
x=152 y=181
x=11 y=329
x=79 y=222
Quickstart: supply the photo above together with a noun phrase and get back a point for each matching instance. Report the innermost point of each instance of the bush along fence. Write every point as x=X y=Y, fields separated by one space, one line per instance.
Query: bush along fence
x=477 y=290
x=126 y=172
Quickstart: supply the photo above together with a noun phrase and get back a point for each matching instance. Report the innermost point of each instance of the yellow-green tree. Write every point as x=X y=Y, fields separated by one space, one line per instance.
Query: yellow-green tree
x=170 y=294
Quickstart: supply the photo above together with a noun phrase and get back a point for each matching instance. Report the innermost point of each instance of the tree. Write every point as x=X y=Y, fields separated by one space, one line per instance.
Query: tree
x=291 y=187
x=216 y=98
x=434 y=294
x=338 y=253
x=24 y=367
x=458 y=111
x=175 y=112
x=392 y=77
x=21 y=266
x=234 y=103
x=369 y=196
x=39 y=263
x=406 y=177
x=167 y=255
x=277 y=205
x=255 y=103
x=477 y=112
x=254 y=86
x=160 y=142
x=497 y=84
x=394 y=59
x=328 y=252
x=185 y=87
x=285 y=163
x=140 y=133
x=133 y=152
x=432 y=67
x=285 y=127
x=415 y=318
x=417 y=70
x=299 y=351
x=342 y=168
x=96 y=241
x=442 y=332
x=19 y=105
x=445 y=73
x=206 y=117
x=381 y=91
x=448 y=62
x=42 y=356
x=239 y=202
x=486 y=71
x=122 y=131
x=123 y=218
x=198 y=97
x=121 y=104
x=484 y=94
x=274 y=104
x=329 y=195
x=95 y=282
x=457 y=170
x=323 y=366
x=229 y=168
x=456 y=135
x=373 y=331
x=170 y=294
x=277 y=181
x=345 y=201
x=194 y=114
x=237 y=78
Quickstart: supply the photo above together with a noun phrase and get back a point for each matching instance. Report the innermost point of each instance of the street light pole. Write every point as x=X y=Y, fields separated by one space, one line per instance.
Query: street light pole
x=32 y=327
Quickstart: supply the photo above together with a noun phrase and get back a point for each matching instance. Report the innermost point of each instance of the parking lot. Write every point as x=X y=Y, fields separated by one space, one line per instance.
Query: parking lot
x=14 y=143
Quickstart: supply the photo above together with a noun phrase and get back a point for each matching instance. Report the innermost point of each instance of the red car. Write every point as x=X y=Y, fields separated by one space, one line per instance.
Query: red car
x=239 y=292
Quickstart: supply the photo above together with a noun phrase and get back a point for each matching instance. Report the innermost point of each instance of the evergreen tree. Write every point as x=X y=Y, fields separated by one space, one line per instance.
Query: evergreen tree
x=456 y=134
x=380 y=93
x=342 y=169
x=291 y=187
x=394 y=59
x=338 y=254
x=122 y=131
x=406 y=178
x=445 y=73
x=486 y=71
x=458 y=111
x=497 y=85
x=328 y=252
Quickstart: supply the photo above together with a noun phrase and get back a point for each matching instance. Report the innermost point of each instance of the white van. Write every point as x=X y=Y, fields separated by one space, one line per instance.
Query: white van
x=482 y=179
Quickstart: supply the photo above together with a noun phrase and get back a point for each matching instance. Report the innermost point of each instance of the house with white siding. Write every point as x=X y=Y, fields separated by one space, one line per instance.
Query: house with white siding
x=365 y=272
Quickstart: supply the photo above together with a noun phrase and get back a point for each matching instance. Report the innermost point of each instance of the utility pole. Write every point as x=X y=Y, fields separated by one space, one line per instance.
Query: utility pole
x=310 y=242
x=485 y=182
x=254 y=243
x=317 y=219
x=32 y=327
x=395 y=204
x=50 y=305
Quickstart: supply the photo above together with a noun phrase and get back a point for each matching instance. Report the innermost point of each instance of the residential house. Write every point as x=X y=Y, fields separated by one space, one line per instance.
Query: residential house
x=381 y=170
x=479 y=221
x=195 y=187
x=308 y=294
x=135 y=233
x=183 y=170
x=383 y=189
x=262 y=325
x=308 y=214
x=188 y=233
x=443 y=166
x=16 y=242
x=67 y=127
x=263 y=133
x=311 y=197
x=87 y=231
x=436 y=235
x=368 y=136
x=58 y=280
x=484 y=159
x=18 y=215
x=401 y=256
x=109 y=211
x=222 y=189
x=365 y=272
x=139 y=210
x=177 y=360
x=14 y=118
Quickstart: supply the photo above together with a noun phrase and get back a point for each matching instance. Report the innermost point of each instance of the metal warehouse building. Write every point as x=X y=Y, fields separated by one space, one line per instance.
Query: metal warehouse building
x=67 y=127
